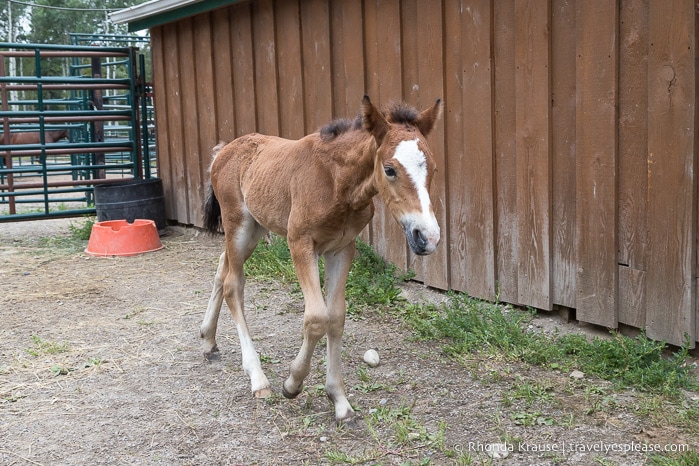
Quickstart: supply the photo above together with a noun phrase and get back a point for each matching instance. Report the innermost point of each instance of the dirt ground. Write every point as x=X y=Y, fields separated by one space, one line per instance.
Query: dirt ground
x=100 y=363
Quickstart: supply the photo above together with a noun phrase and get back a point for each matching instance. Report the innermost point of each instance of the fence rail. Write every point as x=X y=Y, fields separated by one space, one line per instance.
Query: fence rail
x=64 y=89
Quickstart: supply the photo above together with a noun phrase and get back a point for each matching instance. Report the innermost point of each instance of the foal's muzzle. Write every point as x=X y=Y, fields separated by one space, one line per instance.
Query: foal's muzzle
x=421 y=241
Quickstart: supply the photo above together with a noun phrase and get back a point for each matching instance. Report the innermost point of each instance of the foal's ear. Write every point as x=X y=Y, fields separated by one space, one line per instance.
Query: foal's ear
x=429 y=117
x=373 y=120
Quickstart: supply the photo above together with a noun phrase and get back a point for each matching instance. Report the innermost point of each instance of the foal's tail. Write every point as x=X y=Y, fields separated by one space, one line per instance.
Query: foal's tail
x=212 y=212
x=212 y=209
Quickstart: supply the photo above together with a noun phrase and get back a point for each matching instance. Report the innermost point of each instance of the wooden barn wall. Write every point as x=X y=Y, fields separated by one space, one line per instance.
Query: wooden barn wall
x=566 y=156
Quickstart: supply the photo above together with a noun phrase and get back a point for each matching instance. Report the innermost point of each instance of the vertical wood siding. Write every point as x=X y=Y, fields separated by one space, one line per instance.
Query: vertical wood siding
x=566 y=158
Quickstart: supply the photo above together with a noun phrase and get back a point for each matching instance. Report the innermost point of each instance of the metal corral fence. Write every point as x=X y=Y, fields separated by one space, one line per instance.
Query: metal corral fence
x=72 y=117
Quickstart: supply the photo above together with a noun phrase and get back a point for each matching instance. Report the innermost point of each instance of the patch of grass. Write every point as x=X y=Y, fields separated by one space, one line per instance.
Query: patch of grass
x=468 y=325
x=340 y=457
x=534 y=418
x=631 y=362
x=531 y=392
x=371 y=281
x=42 y=347
x=406 y=430
x=366 y=384
x=271 y=260
x=666 y=412
x=73 y=242
x=690 y=458
x=82 y=231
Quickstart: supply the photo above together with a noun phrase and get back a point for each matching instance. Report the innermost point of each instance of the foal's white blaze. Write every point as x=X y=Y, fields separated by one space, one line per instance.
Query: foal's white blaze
x=409 y=155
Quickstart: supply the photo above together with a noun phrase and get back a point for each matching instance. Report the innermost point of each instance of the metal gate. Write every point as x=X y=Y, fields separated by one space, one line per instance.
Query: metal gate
x=72 y=117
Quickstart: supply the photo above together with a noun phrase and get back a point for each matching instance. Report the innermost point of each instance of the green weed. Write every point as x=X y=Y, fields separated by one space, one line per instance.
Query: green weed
x=366 y=385
x=42 y=347
x=530 y=392
x=82 y=231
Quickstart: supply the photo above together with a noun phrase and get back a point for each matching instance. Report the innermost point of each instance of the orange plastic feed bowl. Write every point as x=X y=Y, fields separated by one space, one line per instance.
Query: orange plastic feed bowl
x=121 y=238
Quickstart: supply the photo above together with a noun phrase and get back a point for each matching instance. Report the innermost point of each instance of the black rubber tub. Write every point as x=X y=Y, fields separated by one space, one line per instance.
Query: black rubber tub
x=131 y=200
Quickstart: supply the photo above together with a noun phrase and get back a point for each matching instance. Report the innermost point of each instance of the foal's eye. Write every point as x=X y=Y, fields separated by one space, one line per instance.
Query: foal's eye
x=390 y=172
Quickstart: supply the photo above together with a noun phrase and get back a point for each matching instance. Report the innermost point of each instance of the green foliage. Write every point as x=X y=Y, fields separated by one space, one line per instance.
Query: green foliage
x=690 y=458
x=371 y=281
x=473 y=325
x=630 y=362
x=53 y=25
x=468 y=325
x=271 y=260
x=42 y=347
x=82 y=231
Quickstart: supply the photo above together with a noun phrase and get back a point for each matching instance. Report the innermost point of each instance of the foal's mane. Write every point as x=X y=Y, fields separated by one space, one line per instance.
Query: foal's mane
x=398 y=113
x=335 y=128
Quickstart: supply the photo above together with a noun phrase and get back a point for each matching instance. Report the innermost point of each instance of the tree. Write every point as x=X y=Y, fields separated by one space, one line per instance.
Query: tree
x=11 y=16
x=53 y=20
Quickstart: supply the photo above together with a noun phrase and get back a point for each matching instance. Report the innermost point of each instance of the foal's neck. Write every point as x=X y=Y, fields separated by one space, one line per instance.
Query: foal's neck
x=364 y=188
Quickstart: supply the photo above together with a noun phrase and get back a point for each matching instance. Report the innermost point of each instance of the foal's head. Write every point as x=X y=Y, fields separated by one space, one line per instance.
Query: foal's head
x=403 y=169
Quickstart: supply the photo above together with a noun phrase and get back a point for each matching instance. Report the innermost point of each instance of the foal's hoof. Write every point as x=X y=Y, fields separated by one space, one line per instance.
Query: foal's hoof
x=348 y=420
x=288 y=395
x=213 y=354
x=265 y=392
x=350 y=423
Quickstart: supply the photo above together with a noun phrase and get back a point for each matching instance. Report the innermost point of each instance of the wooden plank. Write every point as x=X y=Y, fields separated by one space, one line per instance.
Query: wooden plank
x=471 y=203
x=430 y=86
x=533 y=144
x=315 y=44
x=563 y=151
x=243 y=69
x=384 y=83
x=596 y=142
x=158 y=44
x=347 y=58
x=348 y=83
x=507 y=260
x=632 y=296
x=175 y=134
x=371 y=60
x=633 y=160
x=670 y=286
x=191 y=186
x=410 y=50
x=291 y=105
x=205 y=111
x=410 y=64
x=264 y=47
x=223 y=73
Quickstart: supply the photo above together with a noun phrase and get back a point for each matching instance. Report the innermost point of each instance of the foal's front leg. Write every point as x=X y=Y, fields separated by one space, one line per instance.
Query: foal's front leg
x=314 y=317
x=337 y=266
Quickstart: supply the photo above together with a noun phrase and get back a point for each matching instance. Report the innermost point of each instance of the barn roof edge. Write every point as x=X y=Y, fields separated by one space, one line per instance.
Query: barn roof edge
x=158 y=12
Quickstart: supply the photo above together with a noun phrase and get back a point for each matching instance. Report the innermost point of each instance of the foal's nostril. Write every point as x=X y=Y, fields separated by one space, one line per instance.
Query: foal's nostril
x=420 y=239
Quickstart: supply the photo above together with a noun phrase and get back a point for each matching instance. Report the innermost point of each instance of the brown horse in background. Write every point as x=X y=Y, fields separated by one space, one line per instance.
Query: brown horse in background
x=318 y=193
x=34 y=137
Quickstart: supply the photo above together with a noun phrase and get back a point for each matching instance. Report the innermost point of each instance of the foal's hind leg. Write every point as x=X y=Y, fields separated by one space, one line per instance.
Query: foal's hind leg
x=229 y=283
x=213 y=310
x=239 y=246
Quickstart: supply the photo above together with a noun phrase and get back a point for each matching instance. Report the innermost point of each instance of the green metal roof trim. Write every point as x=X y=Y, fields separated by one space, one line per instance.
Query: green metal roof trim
x=157 y=12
